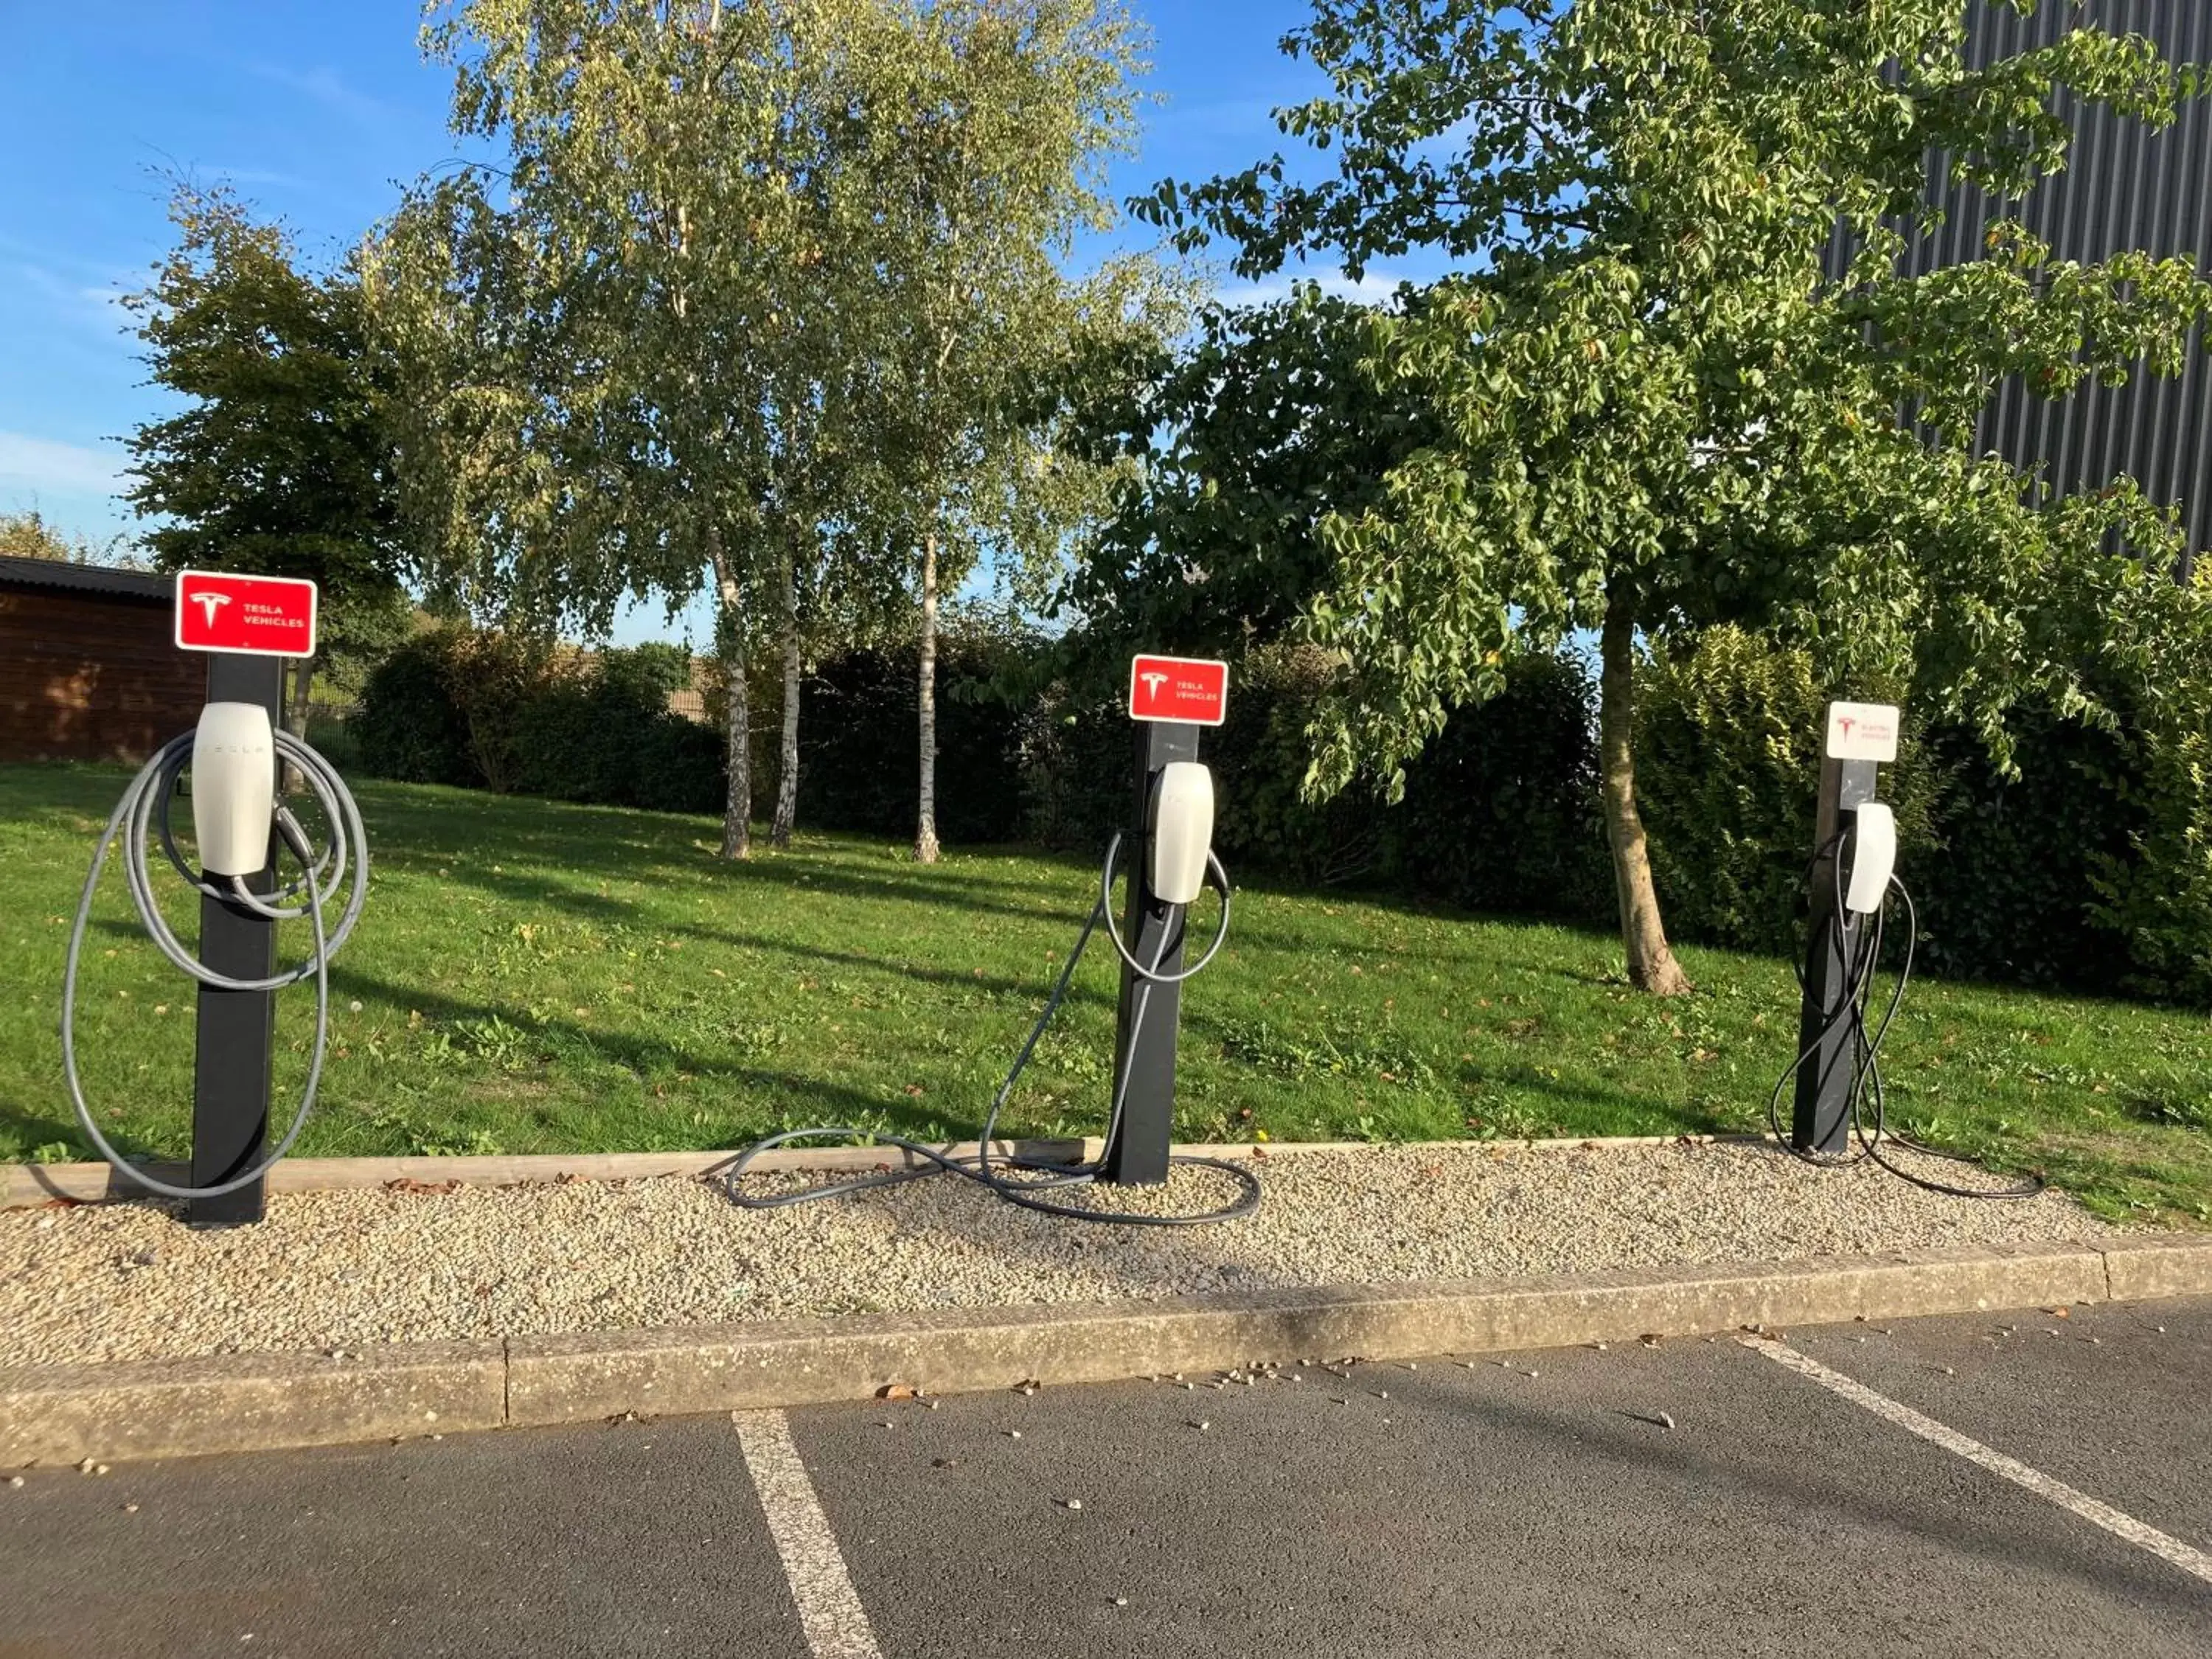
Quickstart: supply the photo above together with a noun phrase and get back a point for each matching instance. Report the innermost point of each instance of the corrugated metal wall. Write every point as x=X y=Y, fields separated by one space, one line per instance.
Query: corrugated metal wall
x=2126 y=186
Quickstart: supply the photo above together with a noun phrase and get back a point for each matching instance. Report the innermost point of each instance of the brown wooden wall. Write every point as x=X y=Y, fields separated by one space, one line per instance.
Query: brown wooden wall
x=91 y=677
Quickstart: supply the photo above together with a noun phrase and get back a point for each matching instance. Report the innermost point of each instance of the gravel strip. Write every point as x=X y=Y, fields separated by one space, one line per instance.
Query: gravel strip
x=344 y=1270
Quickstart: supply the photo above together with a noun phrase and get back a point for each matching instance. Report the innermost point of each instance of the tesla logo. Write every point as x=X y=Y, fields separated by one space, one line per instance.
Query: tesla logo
x=210 y=603
x=1153 y=682
x=1862 y=732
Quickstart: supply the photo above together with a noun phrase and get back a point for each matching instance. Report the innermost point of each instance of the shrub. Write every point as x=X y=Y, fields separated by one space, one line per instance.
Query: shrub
x=2091 y=869
x=481 y=709
x=1501 y=813
x=2009 y=894
x=410 y=727
x=859 y=739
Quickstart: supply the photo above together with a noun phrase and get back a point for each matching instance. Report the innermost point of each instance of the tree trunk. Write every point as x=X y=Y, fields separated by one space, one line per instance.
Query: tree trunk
x=1651 y=965
x=295 y=722
x=786 y=784
x=303 y=683
x=736 y=810
x=926 y=847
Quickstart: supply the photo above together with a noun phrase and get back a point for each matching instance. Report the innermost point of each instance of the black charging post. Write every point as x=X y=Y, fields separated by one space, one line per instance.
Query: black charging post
x=1171 y=699
x=1145 y=1052
x=237 y=1029
x=1860 y=737
x=247 y=626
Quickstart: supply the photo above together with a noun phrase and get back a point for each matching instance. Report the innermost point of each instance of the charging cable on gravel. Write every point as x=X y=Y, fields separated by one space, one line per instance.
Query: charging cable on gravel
x=142 y=812
x=1027 y=1181
x=1869 y=1110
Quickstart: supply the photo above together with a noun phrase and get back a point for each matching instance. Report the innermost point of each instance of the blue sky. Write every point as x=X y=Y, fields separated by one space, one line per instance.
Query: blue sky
x=316 y=111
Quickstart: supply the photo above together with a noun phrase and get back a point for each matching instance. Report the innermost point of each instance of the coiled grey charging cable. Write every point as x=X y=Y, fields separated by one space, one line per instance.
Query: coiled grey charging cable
x=142 y=812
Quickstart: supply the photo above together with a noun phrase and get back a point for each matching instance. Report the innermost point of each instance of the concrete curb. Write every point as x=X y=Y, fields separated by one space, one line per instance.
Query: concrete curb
x=24 y=1186
x=63 y=1414
x=247 y=1402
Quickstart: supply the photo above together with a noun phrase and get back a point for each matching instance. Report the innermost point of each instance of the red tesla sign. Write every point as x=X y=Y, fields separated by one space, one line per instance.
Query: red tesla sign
x=259 y=615
x=1195 y=689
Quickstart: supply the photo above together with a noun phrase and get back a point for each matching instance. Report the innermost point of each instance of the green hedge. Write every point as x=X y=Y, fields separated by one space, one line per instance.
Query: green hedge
x=2092 y=869
x=860 y=742
x=2087 y=870
x=410 y=727
x=1728 y=769
x=456 y=707
x=1500 y=813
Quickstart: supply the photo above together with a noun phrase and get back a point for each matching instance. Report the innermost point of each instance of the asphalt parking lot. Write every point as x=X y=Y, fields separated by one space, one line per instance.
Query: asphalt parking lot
x=2015 y=1484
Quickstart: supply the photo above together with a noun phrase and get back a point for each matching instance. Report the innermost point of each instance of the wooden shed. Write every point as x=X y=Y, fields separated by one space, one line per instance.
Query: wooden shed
x=89 y=666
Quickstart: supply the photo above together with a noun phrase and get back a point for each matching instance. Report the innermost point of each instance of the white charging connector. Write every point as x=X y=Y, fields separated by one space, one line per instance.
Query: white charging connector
x=1874 y=857
x=1182 y=830
x=234 y=787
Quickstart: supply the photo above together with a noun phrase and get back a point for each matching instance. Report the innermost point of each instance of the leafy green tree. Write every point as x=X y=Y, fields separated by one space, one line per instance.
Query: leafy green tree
x=1237 y=444
x=280 y=462
x=630 y=347
x=1653 y=411
x=1005 y=114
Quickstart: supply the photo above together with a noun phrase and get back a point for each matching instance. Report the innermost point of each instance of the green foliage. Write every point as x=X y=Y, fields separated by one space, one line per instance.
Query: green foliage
x=2160 y=893
x=1648 y=403
x=754 y=301
x=410 y=727
x=2011 y=893
x=280 y=462
x=999 y=122
x=493 y=678
x=29 y=536
x=859 y=753
x=646 y=674
x=616 y=339
x=2082 y=868
x=1728 y=741
x=1236 y=446
x=1500 y=812
x=607 y=735
x=1496 y=815
x=459 y=707
x=1263 y=820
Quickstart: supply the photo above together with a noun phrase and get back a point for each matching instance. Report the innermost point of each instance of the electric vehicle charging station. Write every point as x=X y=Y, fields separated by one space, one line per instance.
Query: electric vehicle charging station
x=1837 y=1070
x=1171 y=699
x=1855 y=835
x=248 y=625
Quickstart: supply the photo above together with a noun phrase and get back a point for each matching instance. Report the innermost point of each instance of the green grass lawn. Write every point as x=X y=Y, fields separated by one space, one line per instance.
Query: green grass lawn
x=534 y=977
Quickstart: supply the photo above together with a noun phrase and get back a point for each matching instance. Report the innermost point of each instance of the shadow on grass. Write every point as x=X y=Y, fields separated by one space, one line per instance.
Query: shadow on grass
x=996 y=985
x=751 y=878
x=644 y=1056
x=29 y=1129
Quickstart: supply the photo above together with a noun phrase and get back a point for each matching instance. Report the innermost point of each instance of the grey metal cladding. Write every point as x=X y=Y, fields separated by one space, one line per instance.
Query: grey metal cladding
x=2126 y=186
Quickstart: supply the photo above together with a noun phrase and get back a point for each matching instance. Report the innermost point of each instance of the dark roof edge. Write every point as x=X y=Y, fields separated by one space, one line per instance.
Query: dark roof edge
x=141 y=587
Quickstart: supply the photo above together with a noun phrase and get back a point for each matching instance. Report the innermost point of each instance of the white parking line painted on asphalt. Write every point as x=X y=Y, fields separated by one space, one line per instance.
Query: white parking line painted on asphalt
x=829 y=1609
x=2166 y=1548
